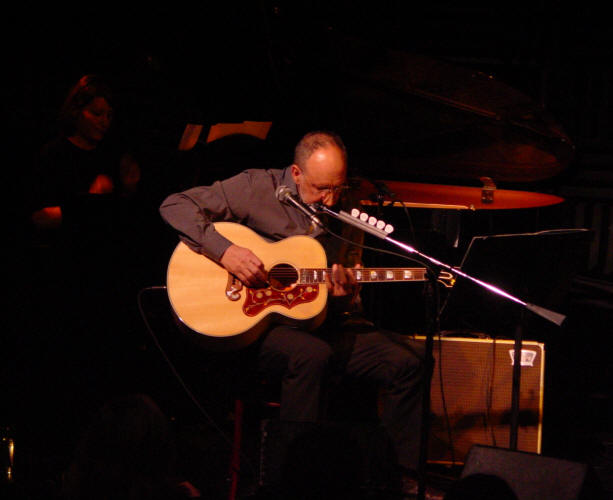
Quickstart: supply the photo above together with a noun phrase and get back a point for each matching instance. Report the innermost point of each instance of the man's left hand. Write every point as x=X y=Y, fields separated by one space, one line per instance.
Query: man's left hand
x=341 y=282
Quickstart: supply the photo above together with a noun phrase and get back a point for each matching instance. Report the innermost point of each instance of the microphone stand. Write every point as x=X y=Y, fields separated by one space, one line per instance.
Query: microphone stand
x=551 y=316
x=516 y=382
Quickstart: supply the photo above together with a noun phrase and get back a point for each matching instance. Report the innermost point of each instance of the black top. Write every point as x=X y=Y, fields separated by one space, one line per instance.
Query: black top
x=65 y=171
x=63 y=178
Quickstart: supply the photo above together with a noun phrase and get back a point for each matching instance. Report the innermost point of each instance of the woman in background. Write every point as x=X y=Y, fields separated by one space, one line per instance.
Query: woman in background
x=81 y=290
x=79 y=163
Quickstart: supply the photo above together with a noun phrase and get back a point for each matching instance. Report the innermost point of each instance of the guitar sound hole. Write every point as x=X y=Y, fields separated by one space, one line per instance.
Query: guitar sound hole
x=282 y=276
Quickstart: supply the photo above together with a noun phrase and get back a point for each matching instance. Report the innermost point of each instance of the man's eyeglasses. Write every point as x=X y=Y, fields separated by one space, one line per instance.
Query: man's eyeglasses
x=327 y=190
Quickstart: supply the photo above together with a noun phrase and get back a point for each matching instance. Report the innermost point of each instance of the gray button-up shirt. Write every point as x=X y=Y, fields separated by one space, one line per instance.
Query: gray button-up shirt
x=248 y=198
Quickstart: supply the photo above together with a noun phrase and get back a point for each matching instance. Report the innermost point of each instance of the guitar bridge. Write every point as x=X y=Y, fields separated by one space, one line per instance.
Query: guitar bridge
x=233 y=288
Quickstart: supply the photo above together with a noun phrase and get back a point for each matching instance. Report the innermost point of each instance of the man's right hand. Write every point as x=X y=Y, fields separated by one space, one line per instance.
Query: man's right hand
x=245 y=265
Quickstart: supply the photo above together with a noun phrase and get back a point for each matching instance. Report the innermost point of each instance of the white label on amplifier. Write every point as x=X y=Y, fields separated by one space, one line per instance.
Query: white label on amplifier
x=527 y=357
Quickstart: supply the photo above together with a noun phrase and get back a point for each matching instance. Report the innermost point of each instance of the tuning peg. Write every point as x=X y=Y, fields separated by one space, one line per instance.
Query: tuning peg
x=372 y=221
x=363 y=216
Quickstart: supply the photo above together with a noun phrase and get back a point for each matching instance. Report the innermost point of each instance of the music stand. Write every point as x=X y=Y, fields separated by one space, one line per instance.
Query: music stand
x=536 y=266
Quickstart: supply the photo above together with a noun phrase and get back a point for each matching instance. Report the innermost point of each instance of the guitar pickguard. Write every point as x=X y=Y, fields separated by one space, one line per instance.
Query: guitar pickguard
x=259 y=299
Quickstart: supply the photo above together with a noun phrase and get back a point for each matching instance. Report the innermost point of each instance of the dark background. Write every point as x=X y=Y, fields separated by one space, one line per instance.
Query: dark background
x=285 y=62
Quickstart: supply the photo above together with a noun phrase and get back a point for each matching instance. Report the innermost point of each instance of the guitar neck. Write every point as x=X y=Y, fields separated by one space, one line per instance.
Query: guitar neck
x=368 y=274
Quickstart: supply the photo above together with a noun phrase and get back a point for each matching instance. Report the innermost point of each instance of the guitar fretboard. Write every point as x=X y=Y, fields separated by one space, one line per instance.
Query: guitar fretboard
x=367 y=275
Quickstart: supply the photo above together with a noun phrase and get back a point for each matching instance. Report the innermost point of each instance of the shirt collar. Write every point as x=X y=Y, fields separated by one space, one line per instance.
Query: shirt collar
x=288 y=180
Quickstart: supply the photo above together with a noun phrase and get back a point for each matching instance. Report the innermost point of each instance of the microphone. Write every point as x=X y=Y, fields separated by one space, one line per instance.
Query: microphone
x=285 y=195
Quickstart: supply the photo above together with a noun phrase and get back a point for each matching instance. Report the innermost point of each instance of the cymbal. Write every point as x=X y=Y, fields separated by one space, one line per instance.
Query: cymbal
x=413 y=194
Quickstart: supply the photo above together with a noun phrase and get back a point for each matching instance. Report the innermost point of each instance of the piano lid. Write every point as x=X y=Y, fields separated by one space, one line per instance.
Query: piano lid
x=418 y=116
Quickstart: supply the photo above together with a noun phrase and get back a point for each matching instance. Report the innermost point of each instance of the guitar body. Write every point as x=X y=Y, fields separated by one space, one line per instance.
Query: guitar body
x=212 y=303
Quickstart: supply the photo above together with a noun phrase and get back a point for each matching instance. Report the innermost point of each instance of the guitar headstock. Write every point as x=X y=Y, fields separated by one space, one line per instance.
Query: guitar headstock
x=371 y=222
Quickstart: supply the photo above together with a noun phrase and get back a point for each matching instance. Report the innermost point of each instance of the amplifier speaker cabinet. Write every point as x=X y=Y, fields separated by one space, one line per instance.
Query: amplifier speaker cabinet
x=471 y=396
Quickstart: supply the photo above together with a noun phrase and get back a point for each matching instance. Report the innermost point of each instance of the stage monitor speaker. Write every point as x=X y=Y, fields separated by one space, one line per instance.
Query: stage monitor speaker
x=531 y=476
x=471 y=396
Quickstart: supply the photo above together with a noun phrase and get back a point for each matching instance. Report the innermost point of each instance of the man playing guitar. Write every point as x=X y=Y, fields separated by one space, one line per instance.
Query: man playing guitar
x=346 y=343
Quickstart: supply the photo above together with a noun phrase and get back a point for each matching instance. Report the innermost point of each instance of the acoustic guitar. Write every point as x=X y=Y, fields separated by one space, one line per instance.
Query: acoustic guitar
x=213 y=303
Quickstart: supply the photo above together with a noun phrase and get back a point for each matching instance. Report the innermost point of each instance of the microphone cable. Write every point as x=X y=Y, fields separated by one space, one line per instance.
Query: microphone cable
x=210 y=420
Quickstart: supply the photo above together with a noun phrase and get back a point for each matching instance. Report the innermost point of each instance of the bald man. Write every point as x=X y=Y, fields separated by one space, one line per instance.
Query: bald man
x=346 y=344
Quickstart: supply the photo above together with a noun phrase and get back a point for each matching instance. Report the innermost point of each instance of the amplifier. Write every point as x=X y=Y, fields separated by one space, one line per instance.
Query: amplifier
x=471 y=396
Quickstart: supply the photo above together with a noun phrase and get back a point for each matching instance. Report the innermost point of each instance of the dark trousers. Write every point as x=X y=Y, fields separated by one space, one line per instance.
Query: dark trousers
x=310 y=364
